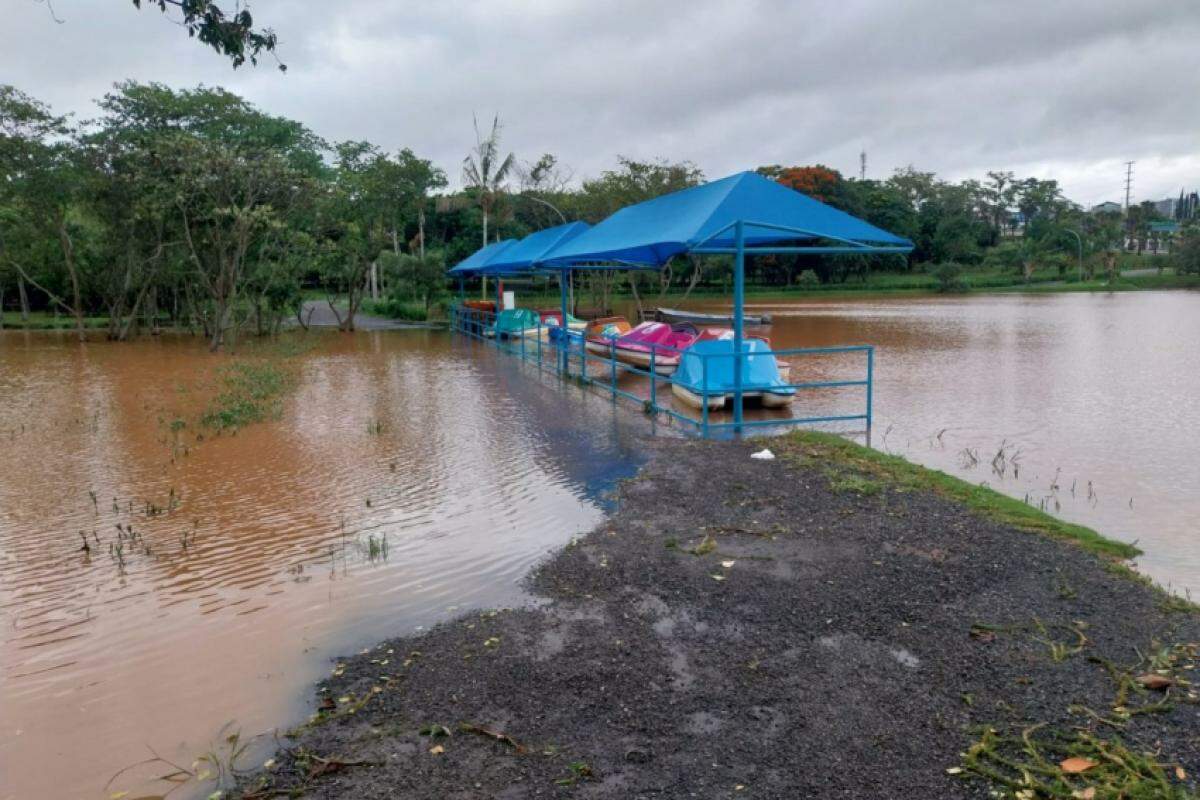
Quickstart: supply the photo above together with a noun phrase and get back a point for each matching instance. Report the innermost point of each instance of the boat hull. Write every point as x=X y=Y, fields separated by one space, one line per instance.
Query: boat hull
x=663 y=364
x=675 y=315
x=718 y=401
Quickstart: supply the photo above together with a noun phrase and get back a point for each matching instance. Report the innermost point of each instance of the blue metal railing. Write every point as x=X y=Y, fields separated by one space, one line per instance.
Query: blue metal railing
x=572 y=359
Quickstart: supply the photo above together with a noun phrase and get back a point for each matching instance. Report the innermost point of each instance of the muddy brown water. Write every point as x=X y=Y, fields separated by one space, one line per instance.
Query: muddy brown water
x=475 y=468
x=473 y=471
x=1094 y=398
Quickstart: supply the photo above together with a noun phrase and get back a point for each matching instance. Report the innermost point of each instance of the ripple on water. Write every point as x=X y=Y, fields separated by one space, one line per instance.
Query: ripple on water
x=273 y=559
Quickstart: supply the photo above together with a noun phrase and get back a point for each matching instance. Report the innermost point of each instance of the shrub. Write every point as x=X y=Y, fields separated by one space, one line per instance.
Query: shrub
x=949 y=277
x=410 y=311
x=808 y=279
x=1187 y=252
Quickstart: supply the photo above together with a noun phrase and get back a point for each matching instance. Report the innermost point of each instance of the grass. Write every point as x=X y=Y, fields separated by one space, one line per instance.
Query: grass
x=1089 y=761
x=407 y=311
x=252 y=391
x=1029 y=765
x=852 y=467
x=47 y=321
x=901 y=283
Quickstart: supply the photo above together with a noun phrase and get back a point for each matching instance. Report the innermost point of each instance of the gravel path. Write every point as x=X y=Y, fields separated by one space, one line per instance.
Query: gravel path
x=744 y=629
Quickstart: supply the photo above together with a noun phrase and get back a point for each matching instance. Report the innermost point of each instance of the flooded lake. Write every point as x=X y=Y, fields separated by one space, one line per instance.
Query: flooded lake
x=467 y=468
x=1095 y=394
x=471 y=467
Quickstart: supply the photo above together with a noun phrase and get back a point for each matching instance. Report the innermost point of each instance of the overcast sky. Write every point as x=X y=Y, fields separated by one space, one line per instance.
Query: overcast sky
x=1065 y=90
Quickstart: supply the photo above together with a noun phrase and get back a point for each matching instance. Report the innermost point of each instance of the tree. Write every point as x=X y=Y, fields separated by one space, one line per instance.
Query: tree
x=41 y=162
x=419 y=278
x=484 y=171
x=635 y=182
x=232 y=36
x=406 y=181
x=1187 y=252
x=227 y=201
x=818 y=182
x=999 y=193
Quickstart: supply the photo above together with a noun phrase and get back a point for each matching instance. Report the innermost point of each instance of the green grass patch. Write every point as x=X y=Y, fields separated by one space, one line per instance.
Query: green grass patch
x=46 y=321
x=854 y=483
x=845 y=461
x=401 y=310
x=252 y=391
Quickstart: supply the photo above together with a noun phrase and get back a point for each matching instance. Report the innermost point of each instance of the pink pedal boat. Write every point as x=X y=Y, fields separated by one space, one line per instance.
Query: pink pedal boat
x=667 y=342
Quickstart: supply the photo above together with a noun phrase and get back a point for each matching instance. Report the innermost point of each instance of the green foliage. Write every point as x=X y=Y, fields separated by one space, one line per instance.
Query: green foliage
x=807 y=279
x=949 y=278
x=1187 y=251
x=232 y=36
x=415 y=279
x=251 y=392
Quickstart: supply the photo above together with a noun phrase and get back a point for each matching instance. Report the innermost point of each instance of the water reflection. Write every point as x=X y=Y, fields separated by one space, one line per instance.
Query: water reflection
x=268 y=557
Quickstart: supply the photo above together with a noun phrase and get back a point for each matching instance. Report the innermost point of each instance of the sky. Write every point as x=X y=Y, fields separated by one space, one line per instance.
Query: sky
x=1061 y=90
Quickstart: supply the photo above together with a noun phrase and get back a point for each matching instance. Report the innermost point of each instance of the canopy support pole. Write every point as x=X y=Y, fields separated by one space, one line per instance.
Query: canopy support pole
x=739 y=300
x=564 y=340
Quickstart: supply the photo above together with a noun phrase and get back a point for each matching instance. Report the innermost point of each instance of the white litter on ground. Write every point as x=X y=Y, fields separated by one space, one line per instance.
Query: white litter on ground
x=763 y=455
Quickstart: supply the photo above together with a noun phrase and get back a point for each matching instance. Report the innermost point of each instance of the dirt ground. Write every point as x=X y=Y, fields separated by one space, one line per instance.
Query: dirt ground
x=753 y=629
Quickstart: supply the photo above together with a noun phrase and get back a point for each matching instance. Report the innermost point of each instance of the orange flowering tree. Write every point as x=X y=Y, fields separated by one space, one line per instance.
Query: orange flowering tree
x=818 y=181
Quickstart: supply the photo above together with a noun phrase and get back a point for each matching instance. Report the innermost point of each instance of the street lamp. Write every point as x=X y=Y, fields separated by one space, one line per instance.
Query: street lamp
x=563 y=219
x=546 y=204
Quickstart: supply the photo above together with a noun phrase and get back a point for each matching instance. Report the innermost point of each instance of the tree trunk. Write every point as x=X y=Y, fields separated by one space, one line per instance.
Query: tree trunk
x=24 y=297
x=1 y=306
x=421 y=231
x=636 y=297
x=484 y=291
x=68 y=249
x=224 y=310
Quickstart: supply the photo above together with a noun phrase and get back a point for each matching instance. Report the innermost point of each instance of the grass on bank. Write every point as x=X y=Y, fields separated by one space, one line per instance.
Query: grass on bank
x=887 y=283
x=865 y=471
x=48 y=321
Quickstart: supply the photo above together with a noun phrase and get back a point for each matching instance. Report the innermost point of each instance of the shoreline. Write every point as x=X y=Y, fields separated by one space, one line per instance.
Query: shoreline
x=1132 y=283
x=834 y=622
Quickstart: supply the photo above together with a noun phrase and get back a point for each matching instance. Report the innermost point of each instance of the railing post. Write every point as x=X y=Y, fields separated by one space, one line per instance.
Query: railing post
x=612 y=358
x=653 y=378
x=870 y=384
x=562 y=320
x=739 y=301
x=539 y=341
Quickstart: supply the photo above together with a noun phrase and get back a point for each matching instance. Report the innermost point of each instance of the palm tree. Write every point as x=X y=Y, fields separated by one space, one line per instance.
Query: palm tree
x=484 y=172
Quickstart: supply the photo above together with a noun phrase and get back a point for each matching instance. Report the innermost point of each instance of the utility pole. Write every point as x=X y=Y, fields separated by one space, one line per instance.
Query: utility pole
x=862 y=165
x=1128 y=183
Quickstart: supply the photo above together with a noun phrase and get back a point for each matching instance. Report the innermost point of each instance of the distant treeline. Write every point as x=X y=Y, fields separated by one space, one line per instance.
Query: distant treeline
x=195 y=209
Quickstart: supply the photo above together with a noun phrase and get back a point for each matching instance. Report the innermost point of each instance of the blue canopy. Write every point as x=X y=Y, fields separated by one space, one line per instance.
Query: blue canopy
x=474 y=262
x=648 y=234
x=522 y=255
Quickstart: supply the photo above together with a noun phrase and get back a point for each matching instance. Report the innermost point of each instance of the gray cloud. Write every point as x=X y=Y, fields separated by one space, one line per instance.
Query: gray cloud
x=1065 y=90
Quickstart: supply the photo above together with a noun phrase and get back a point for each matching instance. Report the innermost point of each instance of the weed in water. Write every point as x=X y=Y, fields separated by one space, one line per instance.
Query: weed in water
x=809 y=447
x=251 y=393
